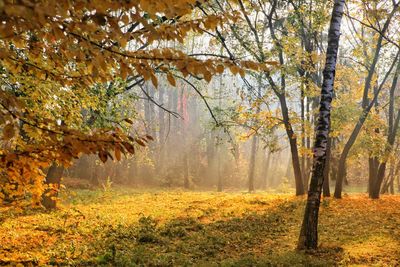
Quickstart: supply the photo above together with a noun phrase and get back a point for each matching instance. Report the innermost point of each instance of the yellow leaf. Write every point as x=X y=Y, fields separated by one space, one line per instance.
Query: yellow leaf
x=117 y=153
x=220 y=69
x=8 y=132
x=103 y=156
x=171 y=79
x=154 y=80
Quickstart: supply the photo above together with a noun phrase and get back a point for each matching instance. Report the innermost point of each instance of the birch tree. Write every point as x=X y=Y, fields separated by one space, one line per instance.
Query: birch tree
x=309 y=232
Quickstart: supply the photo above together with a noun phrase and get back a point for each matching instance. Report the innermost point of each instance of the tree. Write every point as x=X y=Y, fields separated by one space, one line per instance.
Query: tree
x=366 y=104
x=54 y=55
x=262 y=24
x=309 y=233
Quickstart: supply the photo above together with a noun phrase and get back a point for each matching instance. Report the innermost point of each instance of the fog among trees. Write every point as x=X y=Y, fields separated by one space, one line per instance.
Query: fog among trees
x=180 y=133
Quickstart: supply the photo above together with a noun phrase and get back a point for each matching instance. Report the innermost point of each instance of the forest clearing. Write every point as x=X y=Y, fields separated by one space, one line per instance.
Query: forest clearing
x=178 y=228
x=199 y=133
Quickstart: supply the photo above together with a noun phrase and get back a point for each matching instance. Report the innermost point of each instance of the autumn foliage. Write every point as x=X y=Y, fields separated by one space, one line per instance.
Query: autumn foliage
x=52 y=55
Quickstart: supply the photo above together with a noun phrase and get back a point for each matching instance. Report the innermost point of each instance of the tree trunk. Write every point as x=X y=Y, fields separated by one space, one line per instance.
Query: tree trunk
x=186 y=171
x=398 y=183
x=53 y=179
x=308 y=144
x=183 y=136
x=254 y=142
x=303 y=138
x=280 y=93
x=309 y=232
x=389 y=184
x=161 y=134
x=266 y=170
x=373 y=165
x=293 y=147
x=220 y=183
x=341 y=173
x=326 y=189
x=252 y=162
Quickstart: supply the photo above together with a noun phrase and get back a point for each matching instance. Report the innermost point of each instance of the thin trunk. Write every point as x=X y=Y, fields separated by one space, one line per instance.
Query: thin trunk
x=253 y=151
x=303 y=139
x=186 y=171
x=219 y=184
x=309 y=231
x=308 y=144
x=398 y=183
x=293 y=147
x=252 y=162
x=391 y=186
x=388 y=184
x=266 y=170
x=161 y=124
x=183 y=137
x=373 y=161
x=280 y=93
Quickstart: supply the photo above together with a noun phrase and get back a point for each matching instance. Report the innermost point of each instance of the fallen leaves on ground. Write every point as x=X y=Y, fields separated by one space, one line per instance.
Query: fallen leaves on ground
x=130 y=228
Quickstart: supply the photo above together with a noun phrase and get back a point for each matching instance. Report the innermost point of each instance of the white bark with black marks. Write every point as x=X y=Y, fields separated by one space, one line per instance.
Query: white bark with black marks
x=309 y=232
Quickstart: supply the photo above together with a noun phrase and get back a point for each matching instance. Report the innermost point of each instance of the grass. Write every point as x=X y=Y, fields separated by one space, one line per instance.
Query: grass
x=176 y=228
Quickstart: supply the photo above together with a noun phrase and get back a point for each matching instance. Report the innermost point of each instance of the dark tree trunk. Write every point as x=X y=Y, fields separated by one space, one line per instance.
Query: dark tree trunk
x=373 y=165
x=293 y=147
x=326 y=189
x=280 y=93
x=309 y=231
x=308 y=144
x=303 y=139
x=53 y=179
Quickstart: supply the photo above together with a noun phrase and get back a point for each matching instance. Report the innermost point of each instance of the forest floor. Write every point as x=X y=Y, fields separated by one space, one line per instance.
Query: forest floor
x=177 y=228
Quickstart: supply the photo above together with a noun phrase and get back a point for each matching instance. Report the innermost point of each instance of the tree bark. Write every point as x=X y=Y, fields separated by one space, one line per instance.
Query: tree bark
x=326 y=189
x=53 y=179
x=266 y=170
x=303 y=137
x=183 y=136
x=252 y=162
x=280 y=93
x=161 y=134
x=293 y=147
x=309 y=231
